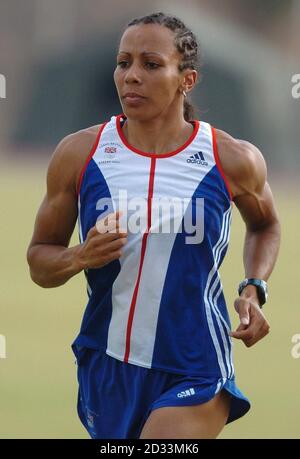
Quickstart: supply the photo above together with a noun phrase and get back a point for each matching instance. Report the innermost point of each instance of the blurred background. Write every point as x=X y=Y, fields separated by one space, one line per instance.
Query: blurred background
x=58 y=59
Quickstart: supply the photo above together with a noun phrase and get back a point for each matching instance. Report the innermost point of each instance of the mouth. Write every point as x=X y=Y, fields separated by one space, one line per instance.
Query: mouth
x=132 y=96
x=133 y=99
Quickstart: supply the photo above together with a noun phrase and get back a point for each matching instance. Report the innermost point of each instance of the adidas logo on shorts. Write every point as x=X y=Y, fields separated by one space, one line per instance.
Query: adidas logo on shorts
x=198 y=158
x=90 y=420
x=186 y=393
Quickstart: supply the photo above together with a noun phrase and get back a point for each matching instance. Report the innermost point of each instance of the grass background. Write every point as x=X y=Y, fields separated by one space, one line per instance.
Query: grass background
x=38 y=385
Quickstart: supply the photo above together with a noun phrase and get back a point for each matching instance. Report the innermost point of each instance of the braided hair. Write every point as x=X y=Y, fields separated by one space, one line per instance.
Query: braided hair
x=185 y=42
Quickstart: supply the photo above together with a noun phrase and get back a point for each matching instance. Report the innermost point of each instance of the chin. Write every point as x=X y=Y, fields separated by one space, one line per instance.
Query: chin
x=136 y=114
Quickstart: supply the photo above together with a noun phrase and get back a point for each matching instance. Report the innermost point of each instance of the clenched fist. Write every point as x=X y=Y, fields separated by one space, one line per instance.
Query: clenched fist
x=253 y=324
x=103 y=244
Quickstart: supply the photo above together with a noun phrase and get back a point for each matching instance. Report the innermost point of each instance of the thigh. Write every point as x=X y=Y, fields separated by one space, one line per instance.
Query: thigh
x=196 y=421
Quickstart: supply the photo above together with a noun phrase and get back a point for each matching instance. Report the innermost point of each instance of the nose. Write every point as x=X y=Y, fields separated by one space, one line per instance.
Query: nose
x=133 y=74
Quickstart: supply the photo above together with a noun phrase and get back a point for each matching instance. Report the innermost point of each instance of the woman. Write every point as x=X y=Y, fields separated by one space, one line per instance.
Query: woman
x=154 y=350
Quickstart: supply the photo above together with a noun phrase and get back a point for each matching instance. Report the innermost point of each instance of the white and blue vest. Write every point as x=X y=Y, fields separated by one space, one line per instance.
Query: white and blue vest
x=161 y=304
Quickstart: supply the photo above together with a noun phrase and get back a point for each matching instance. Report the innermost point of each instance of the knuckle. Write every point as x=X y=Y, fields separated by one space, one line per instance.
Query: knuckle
x=107 y=258
x=94 y=245
x=116 y=254
x=250 y=341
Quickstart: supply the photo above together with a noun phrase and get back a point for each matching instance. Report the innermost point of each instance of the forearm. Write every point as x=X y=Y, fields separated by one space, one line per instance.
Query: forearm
x=52 y=265
x=260 y=251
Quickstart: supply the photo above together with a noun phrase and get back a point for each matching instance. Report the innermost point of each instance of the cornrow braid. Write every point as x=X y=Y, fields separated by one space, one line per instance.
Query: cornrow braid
x=185 y=42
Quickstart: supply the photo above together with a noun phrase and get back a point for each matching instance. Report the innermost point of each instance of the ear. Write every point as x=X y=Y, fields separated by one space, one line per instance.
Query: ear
x=189 y=80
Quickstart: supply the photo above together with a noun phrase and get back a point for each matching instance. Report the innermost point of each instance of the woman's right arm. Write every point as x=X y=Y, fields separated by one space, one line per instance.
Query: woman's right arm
x=52 y=263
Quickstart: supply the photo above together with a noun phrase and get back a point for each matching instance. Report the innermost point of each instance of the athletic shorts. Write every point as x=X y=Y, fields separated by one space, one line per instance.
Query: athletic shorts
x=115 y=398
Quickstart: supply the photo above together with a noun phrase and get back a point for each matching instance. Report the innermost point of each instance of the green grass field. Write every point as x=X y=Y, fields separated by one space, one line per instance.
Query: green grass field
x=38 y=385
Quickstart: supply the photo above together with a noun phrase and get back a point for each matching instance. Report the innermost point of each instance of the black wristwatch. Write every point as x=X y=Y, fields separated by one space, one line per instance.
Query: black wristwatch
x=261 y=286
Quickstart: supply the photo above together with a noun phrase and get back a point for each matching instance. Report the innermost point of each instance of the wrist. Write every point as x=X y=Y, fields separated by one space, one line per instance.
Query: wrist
x=250 y=293
x=78 y=264
x=260 y=293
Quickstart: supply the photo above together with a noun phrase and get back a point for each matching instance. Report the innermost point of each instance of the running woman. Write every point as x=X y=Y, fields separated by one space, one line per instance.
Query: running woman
x=154 y=351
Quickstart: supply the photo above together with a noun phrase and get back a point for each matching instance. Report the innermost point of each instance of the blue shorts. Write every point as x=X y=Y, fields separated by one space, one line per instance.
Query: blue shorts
x=115 y=398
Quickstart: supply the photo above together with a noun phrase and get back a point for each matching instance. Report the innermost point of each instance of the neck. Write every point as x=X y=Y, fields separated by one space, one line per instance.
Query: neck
x=158 y=135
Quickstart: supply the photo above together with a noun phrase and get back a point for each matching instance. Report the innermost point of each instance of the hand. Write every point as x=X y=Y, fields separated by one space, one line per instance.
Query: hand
x=103 y=243
x=253 y=324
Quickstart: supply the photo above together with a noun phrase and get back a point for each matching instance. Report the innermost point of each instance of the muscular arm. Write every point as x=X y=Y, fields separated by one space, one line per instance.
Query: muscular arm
x=50 y=260
x=246 y=171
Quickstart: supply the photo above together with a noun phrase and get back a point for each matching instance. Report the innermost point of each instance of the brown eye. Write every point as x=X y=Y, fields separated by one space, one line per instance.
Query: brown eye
x=152 y=65
x=122 y=64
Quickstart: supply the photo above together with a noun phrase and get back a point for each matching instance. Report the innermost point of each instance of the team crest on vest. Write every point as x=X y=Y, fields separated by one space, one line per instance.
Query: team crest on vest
x=110 y=153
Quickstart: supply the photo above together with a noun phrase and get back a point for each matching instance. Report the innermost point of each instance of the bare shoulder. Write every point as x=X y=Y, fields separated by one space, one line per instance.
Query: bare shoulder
x=242 y=162
x=69 y=157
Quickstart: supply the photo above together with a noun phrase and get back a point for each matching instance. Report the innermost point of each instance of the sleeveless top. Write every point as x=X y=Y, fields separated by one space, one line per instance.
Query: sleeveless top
x=161 y=304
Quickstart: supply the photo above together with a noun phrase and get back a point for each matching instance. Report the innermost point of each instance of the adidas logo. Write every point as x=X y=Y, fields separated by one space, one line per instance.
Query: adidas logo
x=90 y=420
x=186 y=393
x=198 y=158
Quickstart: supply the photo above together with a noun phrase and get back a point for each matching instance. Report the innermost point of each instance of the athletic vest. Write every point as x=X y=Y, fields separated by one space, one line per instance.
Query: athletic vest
x=161 y=304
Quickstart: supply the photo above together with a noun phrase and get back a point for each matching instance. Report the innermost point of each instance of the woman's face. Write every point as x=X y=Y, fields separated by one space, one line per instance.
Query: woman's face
x=147 y=65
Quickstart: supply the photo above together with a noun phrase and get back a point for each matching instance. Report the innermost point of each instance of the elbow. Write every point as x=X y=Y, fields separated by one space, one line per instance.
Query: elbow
x=35 y=272
x=271 y=225
x=32 y=270
x=275 y=227
x=37 y=279
x=42 y=281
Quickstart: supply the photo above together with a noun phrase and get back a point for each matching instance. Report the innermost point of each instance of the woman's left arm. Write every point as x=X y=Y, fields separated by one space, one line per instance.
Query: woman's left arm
x=247 y=177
